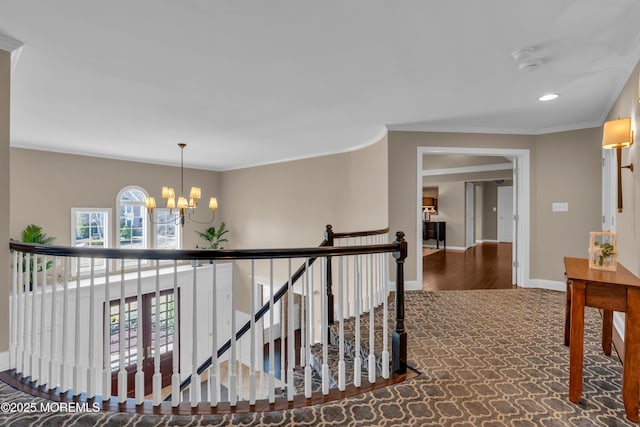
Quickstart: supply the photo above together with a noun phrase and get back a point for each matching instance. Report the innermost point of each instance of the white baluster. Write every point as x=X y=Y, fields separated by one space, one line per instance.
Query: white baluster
x=77 y=368
x=233 y=385
x=92 y=371
x=214 y=380
x=43 y=362
x=309 y=324
x=252 y=329
x=54 y=362
x=341 y=364
x=194 y=389
x=347 y=286
x=303 y=317
x=157 y=376
x=372 y=356
x=22 y=308
x=175 y=378
x=385 y=327
x=67 y=366
x=272 y=397
x=13 y=346
x=139 y=378
x=122 y=372
x=283 y=312
x=291 y=389
x=28 y=326
x=240 y=371
x=324 y=326
x=357 y=366
x=35 y=352
x=106 y=337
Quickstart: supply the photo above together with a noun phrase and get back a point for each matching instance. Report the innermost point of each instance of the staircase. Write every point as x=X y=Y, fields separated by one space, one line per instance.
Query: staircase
x=350 y=347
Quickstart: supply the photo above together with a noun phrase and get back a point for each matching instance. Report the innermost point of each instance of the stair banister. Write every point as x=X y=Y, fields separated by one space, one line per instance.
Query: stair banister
x=399 y=335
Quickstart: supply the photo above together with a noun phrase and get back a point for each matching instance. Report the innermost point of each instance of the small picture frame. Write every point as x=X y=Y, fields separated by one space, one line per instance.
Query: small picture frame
x=603 y=250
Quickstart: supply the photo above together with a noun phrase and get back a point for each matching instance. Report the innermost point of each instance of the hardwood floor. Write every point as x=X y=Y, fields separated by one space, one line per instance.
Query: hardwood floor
x=485 y=266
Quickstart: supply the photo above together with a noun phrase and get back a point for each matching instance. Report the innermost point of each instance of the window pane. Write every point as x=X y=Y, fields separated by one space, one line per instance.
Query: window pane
x=90 y=230
x=167 y=236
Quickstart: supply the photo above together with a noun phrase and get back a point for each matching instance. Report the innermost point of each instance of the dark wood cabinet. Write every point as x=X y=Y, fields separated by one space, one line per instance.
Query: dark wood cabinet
x=435 y=230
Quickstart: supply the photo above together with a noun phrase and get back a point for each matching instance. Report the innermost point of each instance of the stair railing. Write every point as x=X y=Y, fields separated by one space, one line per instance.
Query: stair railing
x=63 y=354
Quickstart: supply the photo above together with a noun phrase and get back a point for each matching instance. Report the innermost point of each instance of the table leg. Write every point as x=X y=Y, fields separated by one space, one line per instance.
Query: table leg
x=631 y=366
x=576 y=344
x=567 y=315
x=607 y=331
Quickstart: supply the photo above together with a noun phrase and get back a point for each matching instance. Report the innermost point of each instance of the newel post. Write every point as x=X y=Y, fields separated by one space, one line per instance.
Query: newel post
x=399 y=335
x=328 y=236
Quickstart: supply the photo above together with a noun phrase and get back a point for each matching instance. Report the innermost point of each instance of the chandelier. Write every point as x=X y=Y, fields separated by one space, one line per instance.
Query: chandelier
x=185 y=209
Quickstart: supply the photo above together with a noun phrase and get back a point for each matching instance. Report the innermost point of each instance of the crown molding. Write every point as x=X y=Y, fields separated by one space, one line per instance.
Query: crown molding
x=14 y=47
x=9 y=44
x=426 y=127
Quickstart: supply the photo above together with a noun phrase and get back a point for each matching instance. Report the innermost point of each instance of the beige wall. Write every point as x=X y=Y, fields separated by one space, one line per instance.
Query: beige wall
x=46 y=185
x=5 y=179
x=451 y=209
x=558 y=151
x=569 y=169
x=490 y=223
x=628 y=221
x=288 y=204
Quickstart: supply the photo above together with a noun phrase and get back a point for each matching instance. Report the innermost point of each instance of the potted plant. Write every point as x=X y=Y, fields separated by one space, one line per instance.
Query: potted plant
x=214 y=237
x=33 y=234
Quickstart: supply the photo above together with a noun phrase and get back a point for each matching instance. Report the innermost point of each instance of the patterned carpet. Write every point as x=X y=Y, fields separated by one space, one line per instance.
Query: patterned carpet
x=488 y=358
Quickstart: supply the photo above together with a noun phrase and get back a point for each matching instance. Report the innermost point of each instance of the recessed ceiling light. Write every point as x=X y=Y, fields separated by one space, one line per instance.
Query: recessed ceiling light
x=548 y=97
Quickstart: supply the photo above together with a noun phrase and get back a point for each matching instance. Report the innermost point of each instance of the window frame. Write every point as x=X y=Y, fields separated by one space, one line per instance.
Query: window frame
x=145 y=216
x=155 y=230
x=106 y=236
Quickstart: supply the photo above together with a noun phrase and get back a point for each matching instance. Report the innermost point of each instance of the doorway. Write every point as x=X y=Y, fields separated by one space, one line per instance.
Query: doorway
x=140 y=324
x=520 y=162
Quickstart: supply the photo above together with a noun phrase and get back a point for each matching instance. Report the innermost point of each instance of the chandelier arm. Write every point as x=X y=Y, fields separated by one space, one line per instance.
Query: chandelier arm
x=188 y=217
x=175 y=221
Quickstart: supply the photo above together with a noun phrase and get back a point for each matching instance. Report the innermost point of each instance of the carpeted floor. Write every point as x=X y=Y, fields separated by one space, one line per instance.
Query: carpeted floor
x=488 y=358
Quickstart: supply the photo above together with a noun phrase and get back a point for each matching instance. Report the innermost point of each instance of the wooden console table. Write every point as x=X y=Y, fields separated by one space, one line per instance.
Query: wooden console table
x=610 y=291
x=435 y=230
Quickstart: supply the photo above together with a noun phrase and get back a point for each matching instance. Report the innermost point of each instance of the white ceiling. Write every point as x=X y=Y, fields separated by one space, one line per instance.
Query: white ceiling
x=253 y=82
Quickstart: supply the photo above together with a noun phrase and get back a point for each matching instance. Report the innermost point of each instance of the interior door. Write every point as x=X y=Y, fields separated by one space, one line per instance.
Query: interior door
x=505 y=214
x=140 y=324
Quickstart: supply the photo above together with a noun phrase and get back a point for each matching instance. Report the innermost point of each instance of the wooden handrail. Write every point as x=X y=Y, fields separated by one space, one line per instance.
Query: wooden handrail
x=198 y=254
x=360 y=233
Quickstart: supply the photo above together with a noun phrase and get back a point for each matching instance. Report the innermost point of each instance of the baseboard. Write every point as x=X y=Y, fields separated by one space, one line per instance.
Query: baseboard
x=553 y=285
x=456 y=248
x=490 y=241
x=5 y=361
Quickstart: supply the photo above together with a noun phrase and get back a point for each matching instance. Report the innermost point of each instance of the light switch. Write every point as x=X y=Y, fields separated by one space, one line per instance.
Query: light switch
x=494 y=209
x=560 y=207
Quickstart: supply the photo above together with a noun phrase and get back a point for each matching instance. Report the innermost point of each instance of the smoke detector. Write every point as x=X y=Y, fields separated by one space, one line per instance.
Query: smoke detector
x=530 y=66
x=524 y=53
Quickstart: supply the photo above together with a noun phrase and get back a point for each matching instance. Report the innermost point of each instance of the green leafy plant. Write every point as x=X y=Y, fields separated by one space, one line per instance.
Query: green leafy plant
x=33 y=234
x=214 y=237
x=606 y=251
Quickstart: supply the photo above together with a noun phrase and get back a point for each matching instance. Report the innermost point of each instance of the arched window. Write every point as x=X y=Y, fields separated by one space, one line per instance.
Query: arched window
x=133 y=230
